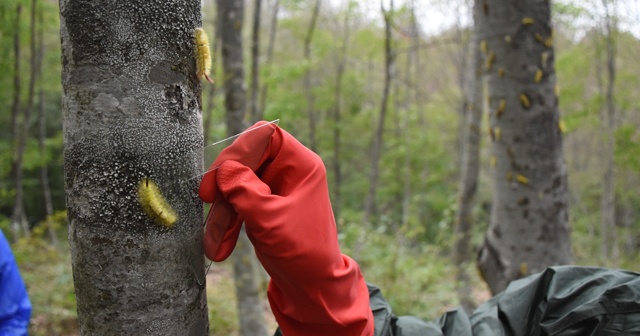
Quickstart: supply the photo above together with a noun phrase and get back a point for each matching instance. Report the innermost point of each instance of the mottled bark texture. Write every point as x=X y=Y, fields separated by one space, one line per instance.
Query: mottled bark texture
x=132 y=110
x=529 y=218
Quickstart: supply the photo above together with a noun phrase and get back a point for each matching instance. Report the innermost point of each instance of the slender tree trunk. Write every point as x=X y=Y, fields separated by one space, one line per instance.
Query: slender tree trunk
x=17 y=217
x=212 y=87
x=376 y=151
x=529 y=228
x=311 y=114
x=337 y=111
x=42 y=135
x=132 y=116
x=255 y=61
x=610 y=250
x=272 y=41
x=472 y=101
x=231 y=17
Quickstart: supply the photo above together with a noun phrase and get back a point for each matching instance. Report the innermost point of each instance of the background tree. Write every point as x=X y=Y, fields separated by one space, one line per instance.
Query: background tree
x=255 y=61
x=132 y=111
x=378 y=137
x=408 y=247
x=231 y=17
x=470 y=166
x=311 y=113
x=529 y=216
x=18 y=217
x=608 y=202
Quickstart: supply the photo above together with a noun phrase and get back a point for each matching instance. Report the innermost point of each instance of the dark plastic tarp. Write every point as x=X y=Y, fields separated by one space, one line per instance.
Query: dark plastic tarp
x=565 y=300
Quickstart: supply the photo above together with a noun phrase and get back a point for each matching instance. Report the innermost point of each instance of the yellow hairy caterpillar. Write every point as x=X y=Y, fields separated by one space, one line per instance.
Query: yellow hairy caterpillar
x=501 y=107
x=522 y=179
x=203 y=55
x=154 y=204
x=562 y=126
x=524 y=100
x=490 y=59
x=544 y=59
x=527 y=21
x=538 y=76
x=539 y=38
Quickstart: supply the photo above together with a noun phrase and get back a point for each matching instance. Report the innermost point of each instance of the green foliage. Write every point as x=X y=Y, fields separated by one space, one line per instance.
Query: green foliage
x=627 y=151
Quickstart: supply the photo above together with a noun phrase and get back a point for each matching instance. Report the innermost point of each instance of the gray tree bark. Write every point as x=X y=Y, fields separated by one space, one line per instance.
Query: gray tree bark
x=231 y=17
x=132 y=111
x=529 y=219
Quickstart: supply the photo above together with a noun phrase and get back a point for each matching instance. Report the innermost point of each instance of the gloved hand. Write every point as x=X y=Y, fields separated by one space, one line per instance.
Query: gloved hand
x=281 y=194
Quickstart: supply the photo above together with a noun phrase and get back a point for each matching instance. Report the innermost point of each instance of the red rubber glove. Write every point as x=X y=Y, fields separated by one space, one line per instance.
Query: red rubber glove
x=314 y=288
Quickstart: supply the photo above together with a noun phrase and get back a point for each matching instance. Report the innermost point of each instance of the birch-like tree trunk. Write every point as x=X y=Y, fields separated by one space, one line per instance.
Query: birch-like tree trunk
x=231 y=18
x=529 y=228
x=132 y=112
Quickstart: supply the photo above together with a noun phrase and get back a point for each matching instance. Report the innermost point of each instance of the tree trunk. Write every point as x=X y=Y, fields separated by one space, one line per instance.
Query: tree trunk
x=311 y=114
x=231 y=17
x=529 y=219
x=212 y=87
x=132 y=114
x=42 y=135
x=610 y=250
x=272 y=41
x=255 y=61
x=376 y=150
x=337 y=111
x=470 y=161
x=17 y=216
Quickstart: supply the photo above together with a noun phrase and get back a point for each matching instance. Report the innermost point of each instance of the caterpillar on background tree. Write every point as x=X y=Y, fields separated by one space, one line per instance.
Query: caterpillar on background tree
x=203 y=55
x=154 y=203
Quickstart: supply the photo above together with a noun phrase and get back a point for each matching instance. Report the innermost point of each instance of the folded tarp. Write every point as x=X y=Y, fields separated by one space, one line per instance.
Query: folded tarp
x=563 y=300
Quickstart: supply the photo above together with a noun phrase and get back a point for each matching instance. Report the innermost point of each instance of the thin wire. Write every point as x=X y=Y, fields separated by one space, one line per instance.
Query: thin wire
x=206 y=272
x=227 y=139
x=208 y=267
x=241 y=133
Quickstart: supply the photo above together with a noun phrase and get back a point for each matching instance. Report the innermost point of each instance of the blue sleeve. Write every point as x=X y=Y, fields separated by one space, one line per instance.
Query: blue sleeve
x=15 y=307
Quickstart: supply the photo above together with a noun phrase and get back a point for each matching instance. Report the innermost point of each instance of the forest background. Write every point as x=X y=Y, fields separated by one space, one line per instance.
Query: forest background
x=406 y=246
